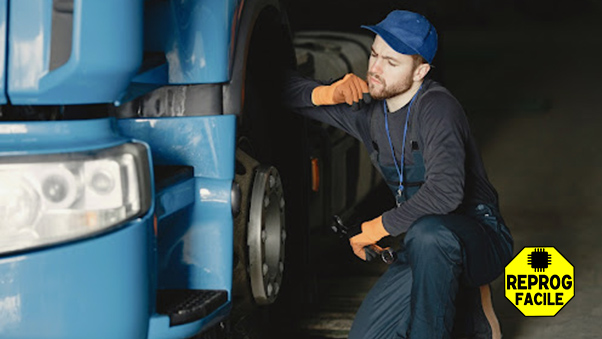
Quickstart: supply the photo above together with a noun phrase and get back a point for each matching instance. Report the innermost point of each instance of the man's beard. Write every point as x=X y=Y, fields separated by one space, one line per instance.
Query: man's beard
x=382 y=91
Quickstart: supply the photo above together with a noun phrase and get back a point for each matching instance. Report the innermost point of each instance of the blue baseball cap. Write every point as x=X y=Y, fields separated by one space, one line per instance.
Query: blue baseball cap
x=408 y=33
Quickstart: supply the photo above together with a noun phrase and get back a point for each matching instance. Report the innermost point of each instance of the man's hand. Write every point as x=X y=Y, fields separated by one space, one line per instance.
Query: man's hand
x=351 y=89
x=372 y=232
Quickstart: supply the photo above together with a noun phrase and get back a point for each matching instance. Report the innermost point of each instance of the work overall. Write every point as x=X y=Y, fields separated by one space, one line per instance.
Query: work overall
x=443 y=259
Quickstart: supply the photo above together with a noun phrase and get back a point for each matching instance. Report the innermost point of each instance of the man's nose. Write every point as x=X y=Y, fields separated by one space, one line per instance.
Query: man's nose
x=374 y=67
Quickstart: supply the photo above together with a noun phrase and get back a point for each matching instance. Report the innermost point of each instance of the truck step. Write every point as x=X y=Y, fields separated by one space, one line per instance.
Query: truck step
x=185 y=306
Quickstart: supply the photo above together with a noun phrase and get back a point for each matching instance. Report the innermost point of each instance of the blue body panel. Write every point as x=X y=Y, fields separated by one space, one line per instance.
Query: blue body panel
x=97 y=288
x=105 y=54
x=194 y=248
x=197 y=39
x=195 y=240
x=205 y=143
x=3 y=23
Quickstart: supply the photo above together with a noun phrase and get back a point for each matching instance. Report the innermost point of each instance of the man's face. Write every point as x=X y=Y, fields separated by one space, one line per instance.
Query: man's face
x=389 y=73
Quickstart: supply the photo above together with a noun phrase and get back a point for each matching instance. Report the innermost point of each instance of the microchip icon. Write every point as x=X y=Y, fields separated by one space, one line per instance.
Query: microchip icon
x=539 y=260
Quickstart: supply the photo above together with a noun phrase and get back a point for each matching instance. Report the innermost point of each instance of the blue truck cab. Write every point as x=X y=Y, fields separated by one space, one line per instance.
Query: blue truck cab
x=95 y=242
x=147 y=177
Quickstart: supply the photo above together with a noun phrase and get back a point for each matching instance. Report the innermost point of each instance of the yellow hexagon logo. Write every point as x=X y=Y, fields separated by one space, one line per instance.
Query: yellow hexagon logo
x=539 y=281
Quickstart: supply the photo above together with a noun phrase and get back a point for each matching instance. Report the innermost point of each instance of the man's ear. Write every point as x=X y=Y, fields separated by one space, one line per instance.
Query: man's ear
x=421 y=71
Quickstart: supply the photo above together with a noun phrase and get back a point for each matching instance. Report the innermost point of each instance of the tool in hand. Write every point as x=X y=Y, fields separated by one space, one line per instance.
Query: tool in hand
x=387 y=255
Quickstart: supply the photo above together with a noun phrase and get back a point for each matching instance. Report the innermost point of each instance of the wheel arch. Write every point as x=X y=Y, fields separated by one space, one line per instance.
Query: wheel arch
x=252 y=14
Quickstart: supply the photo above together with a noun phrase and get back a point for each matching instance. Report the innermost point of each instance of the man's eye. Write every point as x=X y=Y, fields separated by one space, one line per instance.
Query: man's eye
x=393 y=64
x=373 y=55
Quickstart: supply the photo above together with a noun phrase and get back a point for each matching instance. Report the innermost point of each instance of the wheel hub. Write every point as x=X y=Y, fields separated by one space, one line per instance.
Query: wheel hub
x=266 y=235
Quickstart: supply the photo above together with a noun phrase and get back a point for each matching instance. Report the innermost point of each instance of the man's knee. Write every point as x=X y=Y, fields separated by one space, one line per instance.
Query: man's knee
x=429 y=232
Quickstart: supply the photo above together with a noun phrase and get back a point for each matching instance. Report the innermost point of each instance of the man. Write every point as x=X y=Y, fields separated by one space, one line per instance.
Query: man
x=417 y=134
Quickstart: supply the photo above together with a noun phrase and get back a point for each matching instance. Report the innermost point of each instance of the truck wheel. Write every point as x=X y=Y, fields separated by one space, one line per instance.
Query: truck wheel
x=271 y=174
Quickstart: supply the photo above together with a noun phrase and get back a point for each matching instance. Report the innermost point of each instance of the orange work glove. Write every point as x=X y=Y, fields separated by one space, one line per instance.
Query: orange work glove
x=372 y=232
x=350 y=89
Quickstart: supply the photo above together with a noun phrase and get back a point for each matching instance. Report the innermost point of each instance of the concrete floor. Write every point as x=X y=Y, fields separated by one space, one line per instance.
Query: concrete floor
x=532 y=91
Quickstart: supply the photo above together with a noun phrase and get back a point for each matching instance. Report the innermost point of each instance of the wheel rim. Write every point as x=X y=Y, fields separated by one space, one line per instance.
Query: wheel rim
x=266 y=235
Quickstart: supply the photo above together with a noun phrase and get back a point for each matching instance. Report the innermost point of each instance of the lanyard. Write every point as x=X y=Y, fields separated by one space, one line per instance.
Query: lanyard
x=399 y=167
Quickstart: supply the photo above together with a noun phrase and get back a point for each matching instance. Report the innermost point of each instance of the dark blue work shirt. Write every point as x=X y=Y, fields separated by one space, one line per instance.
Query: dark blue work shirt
x=454 y=171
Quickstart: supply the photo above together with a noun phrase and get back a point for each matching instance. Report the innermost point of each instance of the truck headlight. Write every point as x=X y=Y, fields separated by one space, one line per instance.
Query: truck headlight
x=48 y=199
